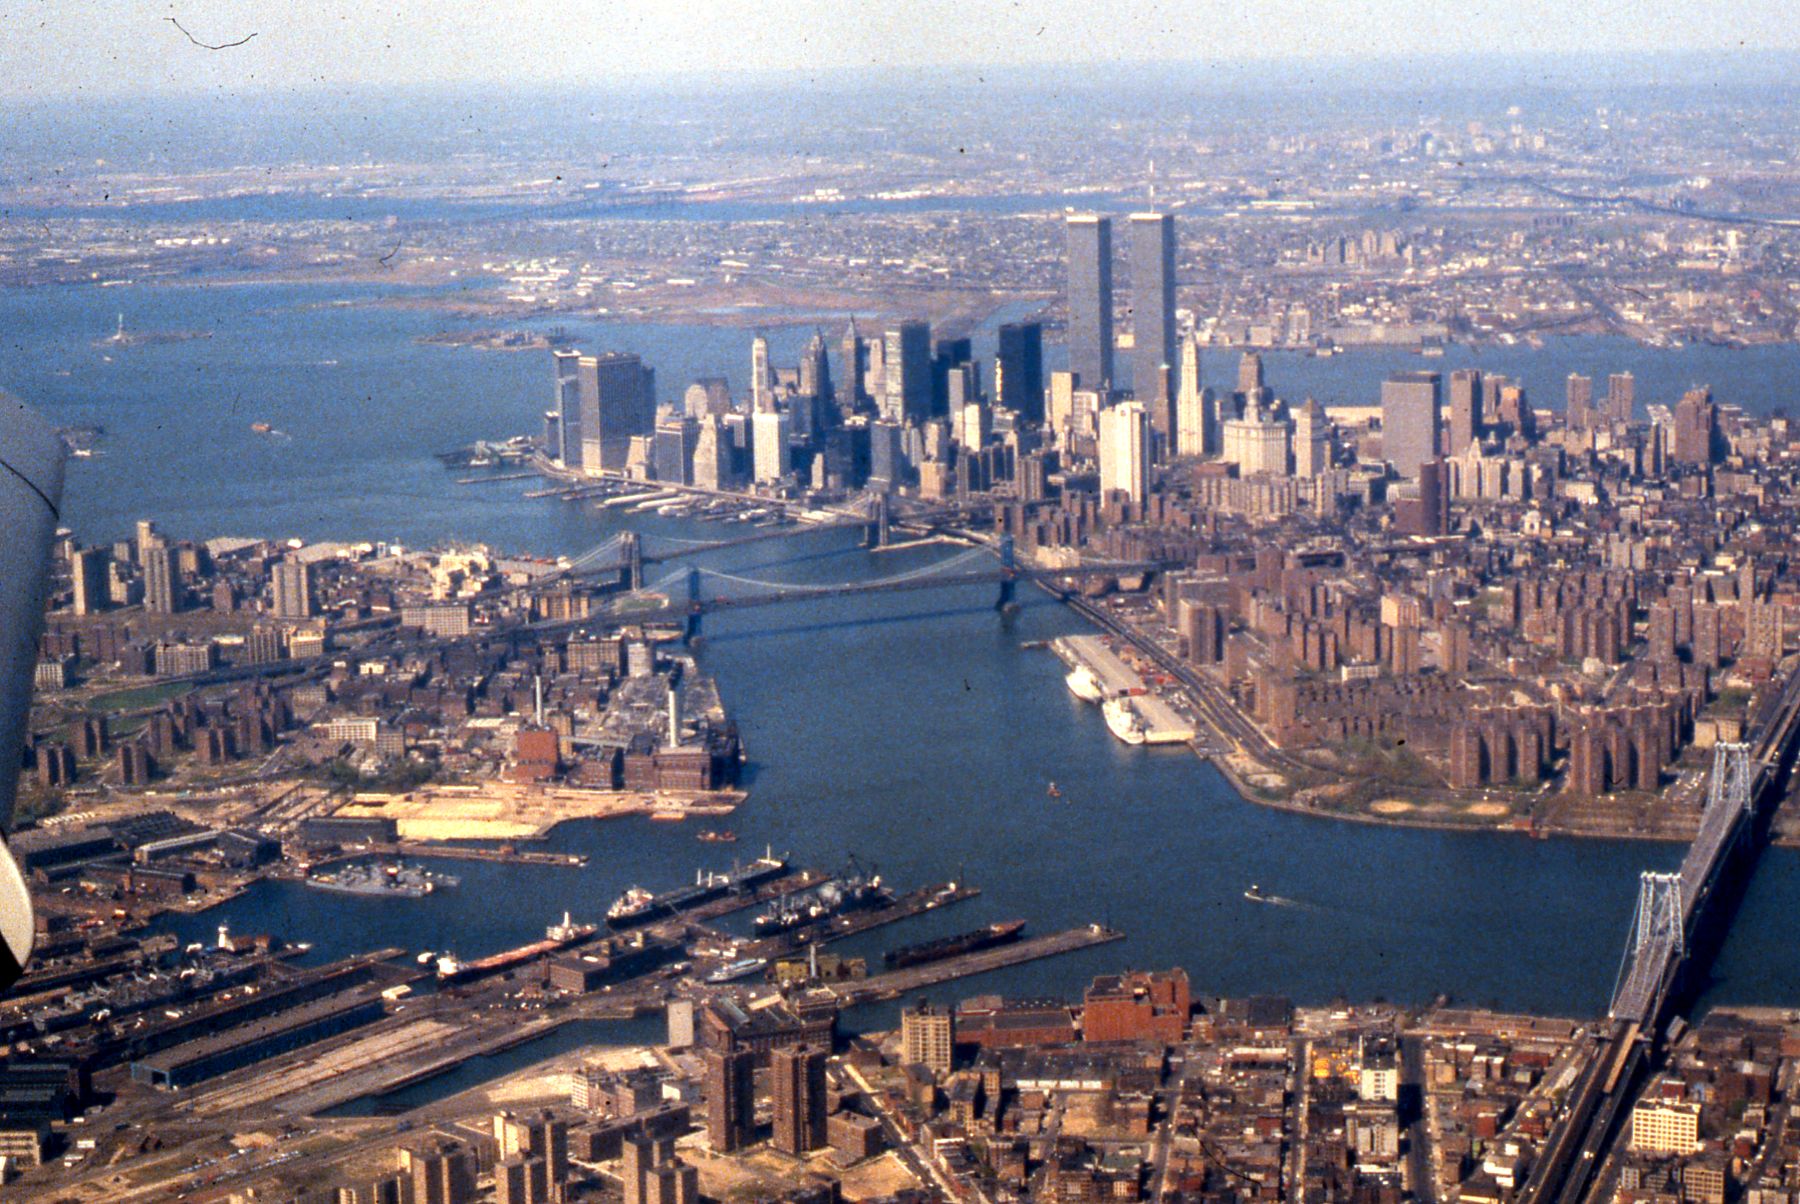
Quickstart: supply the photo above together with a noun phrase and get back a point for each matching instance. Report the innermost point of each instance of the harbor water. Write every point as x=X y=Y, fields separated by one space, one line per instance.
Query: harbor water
x=914 y=729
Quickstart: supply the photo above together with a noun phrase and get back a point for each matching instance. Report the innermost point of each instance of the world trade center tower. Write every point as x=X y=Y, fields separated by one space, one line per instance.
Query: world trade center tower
x=1154 y=370
x=1090 y=299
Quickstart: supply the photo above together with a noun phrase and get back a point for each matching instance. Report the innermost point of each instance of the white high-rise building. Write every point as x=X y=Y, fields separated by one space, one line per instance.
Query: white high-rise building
x=769 y=445
x=1193 y=415
x=1125 y=451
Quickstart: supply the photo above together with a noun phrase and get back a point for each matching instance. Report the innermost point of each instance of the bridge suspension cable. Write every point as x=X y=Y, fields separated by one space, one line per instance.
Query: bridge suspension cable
x=942 y=568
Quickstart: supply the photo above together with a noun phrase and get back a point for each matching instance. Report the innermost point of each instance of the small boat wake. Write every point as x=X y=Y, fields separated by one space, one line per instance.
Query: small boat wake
x=1257 y=895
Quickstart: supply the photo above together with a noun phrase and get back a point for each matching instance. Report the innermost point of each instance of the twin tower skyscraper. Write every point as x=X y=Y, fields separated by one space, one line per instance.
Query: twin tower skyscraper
x=1155 y=371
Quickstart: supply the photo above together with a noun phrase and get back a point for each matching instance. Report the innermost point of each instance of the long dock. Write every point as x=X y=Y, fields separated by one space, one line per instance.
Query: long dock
x=901 y=982
x=458 y=852
x=495 y=478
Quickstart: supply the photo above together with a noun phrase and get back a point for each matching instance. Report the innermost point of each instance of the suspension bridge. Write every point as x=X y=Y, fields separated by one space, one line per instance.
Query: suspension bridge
x=628 y=552
x=1681 y=916
x=697 y=589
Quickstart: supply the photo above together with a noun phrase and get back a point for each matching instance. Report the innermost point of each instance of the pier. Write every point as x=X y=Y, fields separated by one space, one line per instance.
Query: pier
x=901 y=982
x=827 y=929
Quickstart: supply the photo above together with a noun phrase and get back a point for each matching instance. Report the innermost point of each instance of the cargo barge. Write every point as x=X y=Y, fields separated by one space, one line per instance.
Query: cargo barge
x=1002 y=933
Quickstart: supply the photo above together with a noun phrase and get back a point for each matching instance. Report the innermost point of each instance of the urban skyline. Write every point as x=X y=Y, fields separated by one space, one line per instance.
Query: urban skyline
x=1014 y=641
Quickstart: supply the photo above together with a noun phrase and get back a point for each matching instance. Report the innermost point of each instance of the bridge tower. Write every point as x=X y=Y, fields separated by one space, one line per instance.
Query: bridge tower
x=1731 y=779
x=1658 y=932
x=690 y=625
x=876 y=535
x=634 y=560
x=1008 y=567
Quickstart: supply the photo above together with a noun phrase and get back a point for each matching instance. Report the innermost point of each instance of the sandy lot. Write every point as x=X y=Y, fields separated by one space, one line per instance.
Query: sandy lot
x=515 y=811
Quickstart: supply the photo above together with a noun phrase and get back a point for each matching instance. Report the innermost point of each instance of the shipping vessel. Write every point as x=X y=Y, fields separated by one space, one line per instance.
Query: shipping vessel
x=1083 y=684
x=737 y=970
x=851 y=891
x=640 y=906
x=634 y=903
x=1122 y=721
x=1003 y=933
x=556 y=936
x=384 y=879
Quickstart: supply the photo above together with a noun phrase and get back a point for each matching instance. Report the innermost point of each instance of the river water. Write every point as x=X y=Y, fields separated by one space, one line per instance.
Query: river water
x=912 y=729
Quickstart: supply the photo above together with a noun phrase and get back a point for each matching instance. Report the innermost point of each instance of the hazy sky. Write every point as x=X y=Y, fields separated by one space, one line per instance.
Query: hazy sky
x=111 y=47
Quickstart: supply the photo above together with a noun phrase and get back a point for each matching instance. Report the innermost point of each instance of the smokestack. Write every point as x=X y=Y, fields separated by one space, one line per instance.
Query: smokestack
x=674 y=716
x=538 y=685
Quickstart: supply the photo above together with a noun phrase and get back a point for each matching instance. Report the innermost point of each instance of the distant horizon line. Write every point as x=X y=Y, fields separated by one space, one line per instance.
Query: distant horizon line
x=1719 y=65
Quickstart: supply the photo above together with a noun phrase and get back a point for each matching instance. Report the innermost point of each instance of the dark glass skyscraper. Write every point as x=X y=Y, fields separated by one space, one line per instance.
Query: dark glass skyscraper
x=1020 y=377
x=1155 y=373
x=906 y=373
x=946 y=355
x=1090 y=299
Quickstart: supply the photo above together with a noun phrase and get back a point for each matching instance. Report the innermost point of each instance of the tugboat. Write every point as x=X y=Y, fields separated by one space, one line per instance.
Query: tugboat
x=1053 y=791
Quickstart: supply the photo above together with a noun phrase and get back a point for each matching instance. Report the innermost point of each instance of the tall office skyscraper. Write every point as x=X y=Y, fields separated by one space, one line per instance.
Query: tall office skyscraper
x=815 y=380
x=1312 y=440
x=1409 y=420
x=770 y=446
x=730 y=1099
x=1250 y=378
x=855 y=365
x=798 y=1076
x=1578 y=401
x=1155 y=374
x=1125 y=451
x=1465 y=409
x=1090 y=299
x=568 y=407
x=946 y=356
x=762 y=380
x=618 y=400
x=712 y=455
x=1019 y=370
x=1621 y=395
x=906 y=373
x=1192 y=413
x=293 y=581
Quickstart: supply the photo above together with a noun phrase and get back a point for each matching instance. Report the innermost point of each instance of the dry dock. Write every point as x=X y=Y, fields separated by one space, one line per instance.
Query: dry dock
x=900 y=982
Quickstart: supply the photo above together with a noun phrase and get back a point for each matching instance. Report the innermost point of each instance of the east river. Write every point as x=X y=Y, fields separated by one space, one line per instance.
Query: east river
x=912 y=729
